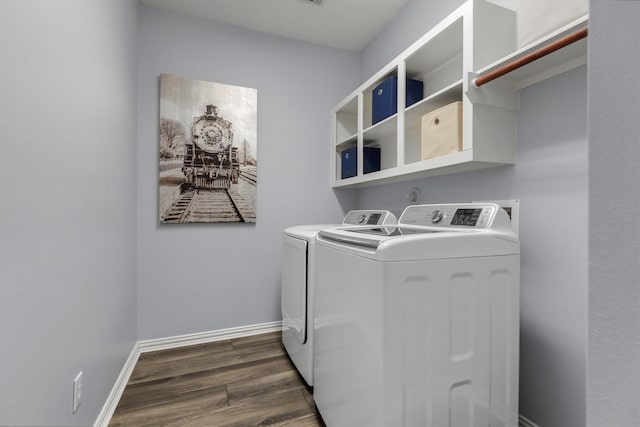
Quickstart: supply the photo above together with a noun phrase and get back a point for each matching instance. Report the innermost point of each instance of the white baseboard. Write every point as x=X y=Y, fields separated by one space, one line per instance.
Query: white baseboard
x=172 y=342
x=526 y=422
x=104 y=417
x=205 y=337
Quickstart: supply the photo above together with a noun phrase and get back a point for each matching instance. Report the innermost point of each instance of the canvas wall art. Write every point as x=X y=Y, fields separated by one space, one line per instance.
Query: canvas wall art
x=208 y=152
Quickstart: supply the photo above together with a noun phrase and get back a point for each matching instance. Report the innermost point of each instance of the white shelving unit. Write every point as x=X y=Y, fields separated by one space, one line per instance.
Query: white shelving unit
x=475 y=39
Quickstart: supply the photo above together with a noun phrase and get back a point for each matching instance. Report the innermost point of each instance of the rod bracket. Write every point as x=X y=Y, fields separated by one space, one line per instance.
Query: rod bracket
x=501 y=93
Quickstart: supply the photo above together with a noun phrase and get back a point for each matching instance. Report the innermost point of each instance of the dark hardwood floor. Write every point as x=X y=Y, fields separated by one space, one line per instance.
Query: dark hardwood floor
x=239 y=382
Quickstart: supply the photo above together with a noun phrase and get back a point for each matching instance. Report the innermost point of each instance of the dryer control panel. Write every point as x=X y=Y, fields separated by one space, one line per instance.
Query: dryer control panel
x=474 y=215
x=369 y=217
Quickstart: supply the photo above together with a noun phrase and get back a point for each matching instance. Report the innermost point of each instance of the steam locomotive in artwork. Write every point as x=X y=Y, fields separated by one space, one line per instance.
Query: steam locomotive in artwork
x=210 y=160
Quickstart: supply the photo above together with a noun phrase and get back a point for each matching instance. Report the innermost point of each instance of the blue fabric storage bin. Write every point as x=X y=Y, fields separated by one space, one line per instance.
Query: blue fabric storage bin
x=414 y=92
x=384 y=98
x=371 y=160
x=350 y=161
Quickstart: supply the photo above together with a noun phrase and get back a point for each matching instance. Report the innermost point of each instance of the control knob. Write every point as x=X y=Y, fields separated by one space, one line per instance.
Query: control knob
x=361 y=218
x=437 y=216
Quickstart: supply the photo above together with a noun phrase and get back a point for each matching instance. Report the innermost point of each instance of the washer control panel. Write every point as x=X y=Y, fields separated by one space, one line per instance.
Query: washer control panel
x=471 y=215
x=370 y=217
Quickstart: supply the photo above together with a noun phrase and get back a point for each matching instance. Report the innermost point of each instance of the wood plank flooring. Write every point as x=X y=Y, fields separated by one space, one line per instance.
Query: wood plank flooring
x=239 y=382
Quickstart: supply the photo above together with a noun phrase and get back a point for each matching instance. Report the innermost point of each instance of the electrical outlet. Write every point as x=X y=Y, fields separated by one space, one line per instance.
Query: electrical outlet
x=77 y=391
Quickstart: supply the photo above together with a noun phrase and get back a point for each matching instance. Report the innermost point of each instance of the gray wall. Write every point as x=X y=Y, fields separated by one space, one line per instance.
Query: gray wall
x=411 y=23
x=67 y=222
x=551 y=180
x=614 y=208
x=68 y=239
x=195 y=278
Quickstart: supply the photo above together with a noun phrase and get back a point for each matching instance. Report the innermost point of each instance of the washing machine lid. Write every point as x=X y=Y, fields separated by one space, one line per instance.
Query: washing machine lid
x=431 y=232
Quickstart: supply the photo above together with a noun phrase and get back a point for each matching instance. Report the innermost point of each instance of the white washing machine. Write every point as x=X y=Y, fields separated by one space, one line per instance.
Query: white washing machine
x=298 y=284
x=418 y=325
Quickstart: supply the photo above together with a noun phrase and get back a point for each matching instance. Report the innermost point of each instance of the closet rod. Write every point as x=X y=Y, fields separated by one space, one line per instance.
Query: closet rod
x=550 y=48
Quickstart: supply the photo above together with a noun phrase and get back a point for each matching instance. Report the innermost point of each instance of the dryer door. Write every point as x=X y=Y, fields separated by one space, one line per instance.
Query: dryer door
x=294 y=288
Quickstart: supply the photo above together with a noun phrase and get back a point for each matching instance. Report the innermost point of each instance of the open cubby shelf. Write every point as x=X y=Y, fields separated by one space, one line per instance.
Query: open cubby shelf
x=476 y=38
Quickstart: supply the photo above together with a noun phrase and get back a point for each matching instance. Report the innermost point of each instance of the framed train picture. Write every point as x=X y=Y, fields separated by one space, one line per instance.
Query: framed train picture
x=208 y=152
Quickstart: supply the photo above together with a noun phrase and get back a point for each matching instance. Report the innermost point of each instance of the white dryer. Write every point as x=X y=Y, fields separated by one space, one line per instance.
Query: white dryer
x=298 y=284
x=418 y=325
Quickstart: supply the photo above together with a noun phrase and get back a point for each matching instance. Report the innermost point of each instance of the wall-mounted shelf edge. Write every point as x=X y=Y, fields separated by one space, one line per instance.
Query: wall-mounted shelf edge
x=390 y=176
x=353 y=139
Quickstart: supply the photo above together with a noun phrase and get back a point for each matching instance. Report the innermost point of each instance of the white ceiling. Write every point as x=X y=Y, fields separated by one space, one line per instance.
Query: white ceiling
x=343 y=24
